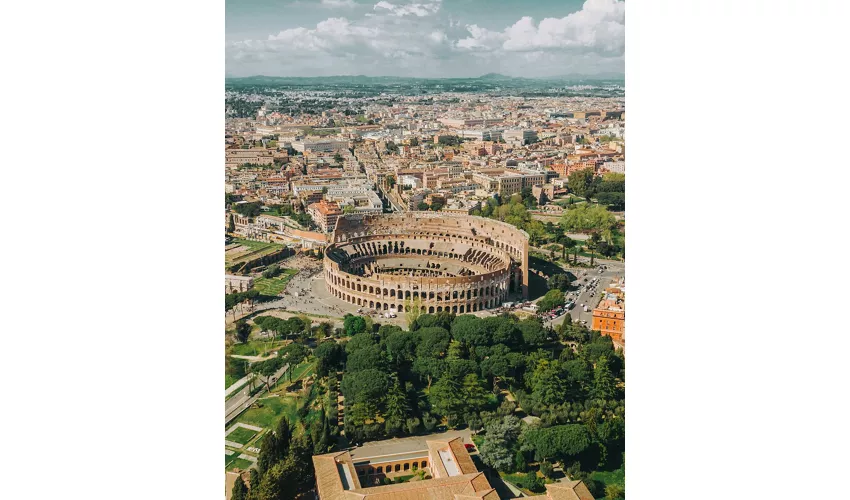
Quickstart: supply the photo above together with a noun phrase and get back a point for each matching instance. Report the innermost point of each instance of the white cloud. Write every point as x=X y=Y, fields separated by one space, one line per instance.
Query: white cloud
x=598 y=27
x=339 y=4
x=415 y=9
x=417 y=40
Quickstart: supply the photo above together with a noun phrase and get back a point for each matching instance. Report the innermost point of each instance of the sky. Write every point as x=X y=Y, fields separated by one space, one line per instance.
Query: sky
x=424 y=38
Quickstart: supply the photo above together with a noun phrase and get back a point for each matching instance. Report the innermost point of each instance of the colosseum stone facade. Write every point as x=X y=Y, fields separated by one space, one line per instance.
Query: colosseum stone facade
x=444 y=262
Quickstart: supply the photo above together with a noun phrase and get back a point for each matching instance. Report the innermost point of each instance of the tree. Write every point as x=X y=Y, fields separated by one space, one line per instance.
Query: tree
x=412 y=425
x=239 y=491
x=338 y=158
x=520 y=464
x=446 y=398
x=614 y=492
x=561 y=441
x=243 y=330
x=367 y=386
x=559 y=282
x=231 y=227
x=474 y=394
x=586 y=218
x=551 y=300
x=359 y=341
x=293 y=354
x=279 y=481
x=566 y=244
x=615 y=201
x=247 y=209
x=348 y=209
x=397 y=408
x=329 y=357
x=499 y=441
x=471 y=330
x=603 y=382
x=267 y=369
x=399 y=346
x=413 y=309
x=353 y=324
x=593 y=244
x=234 y=367
x=390 y=180
x=365 y=358
x=580 y=181
x=546 y=469
x=422 y=206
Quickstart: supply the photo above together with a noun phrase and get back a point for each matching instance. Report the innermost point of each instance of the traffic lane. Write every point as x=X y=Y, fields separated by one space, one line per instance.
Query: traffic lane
x=588 y=298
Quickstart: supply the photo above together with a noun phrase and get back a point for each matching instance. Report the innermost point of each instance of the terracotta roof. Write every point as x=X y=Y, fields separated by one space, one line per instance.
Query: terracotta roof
x=444 y=488
x=464 y=461
x=568 y=490
x=468 y=485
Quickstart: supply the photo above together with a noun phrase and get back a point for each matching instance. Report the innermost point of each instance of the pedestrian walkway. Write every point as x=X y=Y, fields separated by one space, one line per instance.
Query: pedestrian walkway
x=244 y=426
x=236 y=385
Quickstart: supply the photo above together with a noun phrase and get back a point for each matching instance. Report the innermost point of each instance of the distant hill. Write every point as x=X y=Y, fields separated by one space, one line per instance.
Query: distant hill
x=389 y=80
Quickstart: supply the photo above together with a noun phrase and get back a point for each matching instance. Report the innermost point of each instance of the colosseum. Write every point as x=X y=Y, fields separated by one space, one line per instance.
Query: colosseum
x=443 y=262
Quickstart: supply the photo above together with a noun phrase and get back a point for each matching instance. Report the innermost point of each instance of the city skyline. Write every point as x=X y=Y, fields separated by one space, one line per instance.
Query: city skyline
x=424 y=39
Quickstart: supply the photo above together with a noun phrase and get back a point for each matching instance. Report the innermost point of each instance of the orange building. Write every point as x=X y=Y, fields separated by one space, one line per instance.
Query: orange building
x=609 y=317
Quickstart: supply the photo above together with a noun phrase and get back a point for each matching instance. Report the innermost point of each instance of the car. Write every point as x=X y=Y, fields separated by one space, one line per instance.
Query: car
x=469 y=447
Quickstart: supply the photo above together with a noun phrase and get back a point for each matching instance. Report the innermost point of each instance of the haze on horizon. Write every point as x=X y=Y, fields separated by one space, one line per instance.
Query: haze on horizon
x=425 y=38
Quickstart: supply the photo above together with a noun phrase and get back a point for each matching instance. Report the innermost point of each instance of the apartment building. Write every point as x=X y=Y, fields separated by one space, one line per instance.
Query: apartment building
x=324 y=214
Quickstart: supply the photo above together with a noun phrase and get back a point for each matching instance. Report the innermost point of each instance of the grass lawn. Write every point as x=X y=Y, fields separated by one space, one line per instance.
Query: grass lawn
x=302 y=370
x=255 y=249
x=241 y=435
x=617 y=477
x=517 y=480
x=273 y=286
x=273 y=408
x=228 y=381
x=270 y=413
x=256 y=347
x=565 y=202
x=256 y=245
x=239 y=463
x=228 y=459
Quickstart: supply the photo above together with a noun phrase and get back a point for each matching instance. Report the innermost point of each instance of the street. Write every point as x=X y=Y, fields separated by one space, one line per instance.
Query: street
x=615 y=269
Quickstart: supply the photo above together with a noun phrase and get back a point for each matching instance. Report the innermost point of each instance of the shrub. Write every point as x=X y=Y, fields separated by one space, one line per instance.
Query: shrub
x=546 y=469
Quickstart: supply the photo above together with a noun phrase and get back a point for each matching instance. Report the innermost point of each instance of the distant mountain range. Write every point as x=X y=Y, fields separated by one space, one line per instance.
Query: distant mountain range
x=384 y=80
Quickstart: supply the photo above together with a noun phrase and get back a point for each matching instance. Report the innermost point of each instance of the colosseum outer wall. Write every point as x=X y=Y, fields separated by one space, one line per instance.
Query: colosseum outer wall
x=500 y=250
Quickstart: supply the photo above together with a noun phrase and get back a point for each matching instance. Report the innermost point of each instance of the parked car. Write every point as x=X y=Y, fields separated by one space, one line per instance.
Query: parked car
x=469 y=447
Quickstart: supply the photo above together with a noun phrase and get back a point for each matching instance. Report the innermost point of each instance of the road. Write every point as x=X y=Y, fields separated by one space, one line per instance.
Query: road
x=234 y=406
x=614 y=270
x=236 y=384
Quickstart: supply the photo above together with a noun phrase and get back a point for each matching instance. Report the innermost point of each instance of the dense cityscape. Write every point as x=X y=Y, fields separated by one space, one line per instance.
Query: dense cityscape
x=424 y=281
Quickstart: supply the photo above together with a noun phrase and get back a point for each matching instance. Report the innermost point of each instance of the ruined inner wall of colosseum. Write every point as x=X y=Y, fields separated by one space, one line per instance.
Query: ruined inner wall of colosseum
x=450 y=262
